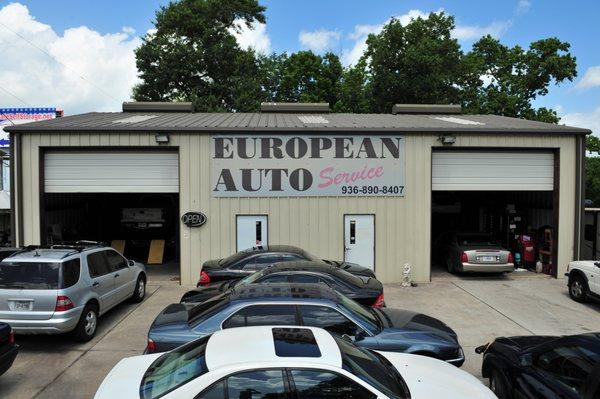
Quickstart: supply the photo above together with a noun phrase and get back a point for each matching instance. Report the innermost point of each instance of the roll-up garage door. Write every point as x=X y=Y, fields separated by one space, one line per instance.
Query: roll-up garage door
x=492 y=171
x=111 y=172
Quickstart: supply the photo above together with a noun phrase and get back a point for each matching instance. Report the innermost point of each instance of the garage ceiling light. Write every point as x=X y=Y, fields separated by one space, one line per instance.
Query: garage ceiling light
x=162 y=138
x=460 y=121
x=135 y=119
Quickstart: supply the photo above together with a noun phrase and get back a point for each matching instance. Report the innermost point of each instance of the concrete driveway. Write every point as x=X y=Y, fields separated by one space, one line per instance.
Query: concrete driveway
x=479 y=309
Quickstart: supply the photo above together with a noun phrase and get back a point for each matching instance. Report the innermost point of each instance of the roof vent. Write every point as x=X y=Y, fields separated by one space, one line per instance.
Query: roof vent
x=148 y=106
x=426 y=109
x=298 y=108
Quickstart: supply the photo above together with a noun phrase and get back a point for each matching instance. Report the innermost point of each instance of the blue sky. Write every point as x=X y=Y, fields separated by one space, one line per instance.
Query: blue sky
x=62 y=28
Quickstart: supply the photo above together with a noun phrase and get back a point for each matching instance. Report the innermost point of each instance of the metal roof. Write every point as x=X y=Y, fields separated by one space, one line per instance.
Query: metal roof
x=291 y=122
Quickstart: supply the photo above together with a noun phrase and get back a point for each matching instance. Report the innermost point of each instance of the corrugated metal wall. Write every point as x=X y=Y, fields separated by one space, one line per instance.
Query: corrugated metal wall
x=402 y=224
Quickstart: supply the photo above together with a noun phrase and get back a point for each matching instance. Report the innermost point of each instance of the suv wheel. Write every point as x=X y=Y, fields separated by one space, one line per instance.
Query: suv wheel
x=88 y=322
x=578 y=289
x=140 y=290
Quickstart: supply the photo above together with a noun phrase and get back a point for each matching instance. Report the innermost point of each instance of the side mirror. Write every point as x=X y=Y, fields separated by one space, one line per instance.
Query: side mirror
x=597 y=264
x=347 y=338
x=130 y=263
x=526 y=360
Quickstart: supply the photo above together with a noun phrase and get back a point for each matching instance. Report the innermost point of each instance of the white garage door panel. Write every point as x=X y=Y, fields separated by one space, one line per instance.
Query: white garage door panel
x=492 y=171
x=111 y=172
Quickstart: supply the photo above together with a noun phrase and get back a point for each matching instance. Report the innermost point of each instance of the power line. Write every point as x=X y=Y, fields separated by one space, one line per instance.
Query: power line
x=61 y=63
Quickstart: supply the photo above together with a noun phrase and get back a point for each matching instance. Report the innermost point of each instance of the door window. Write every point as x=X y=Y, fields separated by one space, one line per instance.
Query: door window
x=263 y=315
x=327 y=385
x=217 y=391
x=70 y=273
x=329 y=319
x=291 y=258
x=97 y=264
x=265 y=384
x=262 y=261
x=115 y=261
x=308 y=279
x=275 y=278
x=570 y=365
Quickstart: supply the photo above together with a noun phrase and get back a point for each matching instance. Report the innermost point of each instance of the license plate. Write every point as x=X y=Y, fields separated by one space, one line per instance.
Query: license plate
x=487 y=258
x=22 y=305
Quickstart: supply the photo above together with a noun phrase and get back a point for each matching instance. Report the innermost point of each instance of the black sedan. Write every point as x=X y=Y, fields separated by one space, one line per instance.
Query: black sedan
x=244 y=263
x=549 y=367
x=314 y=305
x=8 y=348
x=367 y=291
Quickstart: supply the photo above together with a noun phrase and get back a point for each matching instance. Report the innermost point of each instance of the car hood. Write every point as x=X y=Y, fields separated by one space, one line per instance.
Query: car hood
x=526 y=342
x=408 y=321
x=124 y=380
x=431 y=378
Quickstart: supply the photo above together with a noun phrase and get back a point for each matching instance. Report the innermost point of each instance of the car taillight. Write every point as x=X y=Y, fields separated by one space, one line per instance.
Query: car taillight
x=204 y=278
x=151 y=346
x=63 y=303
x=379 y=302
x=464 y=258
x=511 y=258
x=11 y=337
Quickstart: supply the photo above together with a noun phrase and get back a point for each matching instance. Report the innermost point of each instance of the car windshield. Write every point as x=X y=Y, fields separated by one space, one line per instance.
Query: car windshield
x=372 y=368
x=202 y=311
x=174 y=369
x=254 y=277
x=235 y=257
x=360 y=312
x=29 y=275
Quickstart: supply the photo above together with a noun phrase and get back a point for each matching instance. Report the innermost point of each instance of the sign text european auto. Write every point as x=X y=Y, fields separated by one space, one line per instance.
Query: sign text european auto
x=285 y=166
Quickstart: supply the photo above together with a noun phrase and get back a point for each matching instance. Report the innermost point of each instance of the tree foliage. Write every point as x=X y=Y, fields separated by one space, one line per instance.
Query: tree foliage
x=193 y=55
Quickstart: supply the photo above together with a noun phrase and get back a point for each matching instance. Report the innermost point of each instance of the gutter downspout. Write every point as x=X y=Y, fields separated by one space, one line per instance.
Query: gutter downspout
x=13 y=213
x=579 y=196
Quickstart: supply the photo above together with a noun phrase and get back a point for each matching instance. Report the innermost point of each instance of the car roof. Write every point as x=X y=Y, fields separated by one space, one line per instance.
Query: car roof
x=283 y=291
x=301 y=265
x=49 y=254
x=235 y=346
x=276 y=248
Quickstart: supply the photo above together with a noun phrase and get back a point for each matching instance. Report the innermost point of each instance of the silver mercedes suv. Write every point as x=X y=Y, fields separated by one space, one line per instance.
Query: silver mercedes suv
x=65 y=288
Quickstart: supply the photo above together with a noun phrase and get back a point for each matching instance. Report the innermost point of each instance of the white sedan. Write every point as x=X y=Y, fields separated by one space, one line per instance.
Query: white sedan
x=285 y=362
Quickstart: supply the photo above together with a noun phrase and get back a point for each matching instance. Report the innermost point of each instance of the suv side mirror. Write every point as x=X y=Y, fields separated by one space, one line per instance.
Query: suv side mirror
x=130 y=263
x=526 y=360
x=597 y=264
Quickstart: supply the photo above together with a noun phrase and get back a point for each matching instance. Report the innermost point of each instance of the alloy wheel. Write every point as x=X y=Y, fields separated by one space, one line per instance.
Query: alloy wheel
x=576 y=289
x=91 y=322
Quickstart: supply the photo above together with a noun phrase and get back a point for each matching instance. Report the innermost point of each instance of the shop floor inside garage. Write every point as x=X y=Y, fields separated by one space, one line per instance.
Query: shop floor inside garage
x=504 y=215
x=128 y=221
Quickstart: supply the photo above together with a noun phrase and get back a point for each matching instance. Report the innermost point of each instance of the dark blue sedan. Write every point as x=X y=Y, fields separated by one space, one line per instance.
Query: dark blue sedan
x=315 y=305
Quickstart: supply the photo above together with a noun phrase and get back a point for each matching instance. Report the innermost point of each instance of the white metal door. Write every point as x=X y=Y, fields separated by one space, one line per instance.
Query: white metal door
x=359 y=240
x=111 y=172
x=251 y=231
x=492 y=171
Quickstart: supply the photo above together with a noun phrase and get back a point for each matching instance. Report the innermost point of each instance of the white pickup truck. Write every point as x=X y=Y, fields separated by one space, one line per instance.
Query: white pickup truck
x=584 y=280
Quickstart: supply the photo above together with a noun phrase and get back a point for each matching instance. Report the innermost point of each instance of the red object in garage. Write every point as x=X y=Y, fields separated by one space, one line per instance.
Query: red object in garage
x=527 y=249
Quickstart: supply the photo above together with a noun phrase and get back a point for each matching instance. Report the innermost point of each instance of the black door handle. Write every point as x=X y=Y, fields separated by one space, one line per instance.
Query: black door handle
x=96 y=284
x=116 y=275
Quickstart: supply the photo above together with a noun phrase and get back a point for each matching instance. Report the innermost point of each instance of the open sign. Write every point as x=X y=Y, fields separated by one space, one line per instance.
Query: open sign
x=193 y=219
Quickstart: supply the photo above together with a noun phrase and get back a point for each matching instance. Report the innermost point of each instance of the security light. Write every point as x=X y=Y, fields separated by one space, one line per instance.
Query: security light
x=448 y=140
x=162 y=138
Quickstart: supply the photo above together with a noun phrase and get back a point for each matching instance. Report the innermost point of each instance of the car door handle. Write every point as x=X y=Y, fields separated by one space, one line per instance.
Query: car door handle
x=116 y=275
x=96 y=284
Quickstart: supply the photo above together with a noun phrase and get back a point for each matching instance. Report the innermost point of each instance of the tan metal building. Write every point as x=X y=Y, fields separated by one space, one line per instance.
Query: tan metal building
x=374 y=189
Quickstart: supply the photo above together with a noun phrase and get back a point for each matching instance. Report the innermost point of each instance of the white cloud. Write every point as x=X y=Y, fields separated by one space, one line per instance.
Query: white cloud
x=474 y=32
x=591 y=78
x=588 y=120
x=52 y=77
x=523 y=6
x=319 y=40
x=254 y=37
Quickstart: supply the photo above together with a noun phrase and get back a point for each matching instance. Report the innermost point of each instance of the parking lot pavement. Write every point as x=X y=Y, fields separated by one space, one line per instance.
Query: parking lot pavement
x=478 y=309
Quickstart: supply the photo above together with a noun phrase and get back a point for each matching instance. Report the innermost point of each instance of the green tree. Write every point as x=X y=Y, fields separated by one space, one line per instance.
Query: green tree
x=194 y=56
x=592 y=179
x=592 y=144
x=416 y=63
x=514 y=77
x=354 y=90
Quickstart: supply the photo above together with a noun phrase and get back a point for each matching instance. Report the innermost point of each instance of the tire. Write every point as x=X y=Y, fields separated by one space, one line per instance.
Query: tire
x=140 y=289
x=498 y=385
x=449 y=266
x=87 y=325
x=578 y=289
